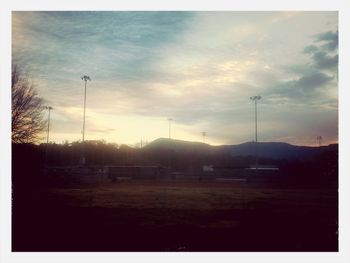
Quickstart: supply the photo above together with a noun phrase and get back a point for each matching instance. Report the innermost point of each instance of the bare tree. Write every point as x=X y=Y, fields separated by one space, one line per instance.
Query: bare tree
x=27 y=109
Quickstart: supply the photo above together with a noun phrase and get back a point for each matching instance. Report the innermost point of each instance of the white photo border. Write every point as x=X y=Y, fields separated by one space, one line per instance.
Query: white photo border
x=343 y=8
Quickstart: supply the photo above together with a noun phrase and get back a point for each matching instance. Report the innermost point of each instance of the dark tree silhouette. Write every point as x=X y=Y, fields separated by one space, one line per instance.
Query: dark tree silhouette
x=27 y=109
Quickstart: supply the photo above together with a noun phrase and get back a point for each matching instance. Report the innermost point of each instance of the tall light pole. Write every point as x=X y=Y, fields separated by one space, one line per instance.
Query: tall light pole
x=204 y=134
x=49 y=108
x=255 y=99
x=85 y=78
x=170 y=119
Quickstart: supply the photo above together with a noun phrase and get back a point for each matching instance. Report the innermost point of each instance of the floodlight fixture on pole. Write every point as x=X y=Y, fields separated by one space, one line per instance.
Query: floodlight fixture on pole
x=255 y=99
x=170 y=119
x=49 y=108
x=85 y=78
x=204 y=134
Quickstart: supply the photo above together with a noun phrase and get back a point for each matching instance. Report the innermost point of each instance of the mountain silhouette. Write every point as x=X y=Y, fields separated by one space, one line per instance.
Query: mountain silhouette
x=274 y=150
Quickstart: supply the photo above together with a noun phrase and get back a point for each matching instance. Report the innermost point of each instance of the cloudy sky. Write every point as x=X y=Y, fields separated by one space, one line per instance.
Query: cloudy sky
x=198 y=68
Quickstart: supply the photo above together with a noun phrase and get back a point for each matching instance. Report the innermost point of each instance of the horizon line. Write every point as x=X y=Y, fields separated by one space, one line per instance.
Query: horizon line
x=137 y=145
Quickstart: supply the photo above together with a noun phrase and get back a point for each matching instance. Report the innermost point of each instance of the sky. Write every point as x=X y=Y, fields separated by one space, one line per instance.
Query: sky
x=198 y=68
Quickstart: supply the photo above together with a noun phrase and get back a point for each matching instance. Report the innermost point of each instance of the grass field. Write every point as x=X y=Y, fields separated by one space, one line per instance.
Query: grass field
x=178 y=216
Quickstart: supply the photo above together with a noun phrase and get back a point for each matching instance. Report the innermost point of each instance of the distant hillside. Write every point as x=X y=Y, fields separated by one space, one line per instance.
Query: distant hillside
x=279 y=150
x=177 y=145
x=275 y=150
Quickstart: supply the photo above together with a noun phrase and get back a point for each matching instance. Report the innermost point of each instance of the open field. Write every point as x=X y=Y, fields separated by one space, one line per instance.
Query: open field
x=177 y=216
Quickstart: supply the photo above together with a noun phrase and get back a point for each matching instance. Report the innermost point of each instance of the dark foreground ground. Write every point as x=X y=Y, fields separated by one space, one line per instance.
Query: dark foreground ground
x=175 y=216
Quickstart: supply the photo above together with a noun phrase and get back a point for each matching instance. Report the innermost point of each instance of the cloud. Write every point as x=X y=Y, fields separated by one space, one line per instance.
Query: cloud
x=119 y=45
x=102 y=130
x=324 y=61
x=312 y=81
x=301 y=89
x=310 y=49
x=323 y=54
x=331 y=39
x=200 y=68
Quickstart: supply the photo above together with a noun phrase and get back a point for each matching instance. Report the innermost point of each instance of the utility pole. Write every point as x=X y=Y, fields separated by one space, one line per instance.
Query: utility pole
x=204 y=134
x=170 y=119
x=49 y=108
x=255 y=99
x=85 y=78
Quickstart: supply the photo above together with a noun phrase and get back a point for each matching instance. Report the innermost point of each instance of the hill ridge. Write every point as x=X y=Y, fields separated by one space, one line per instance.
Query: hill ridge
x=274 y=150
